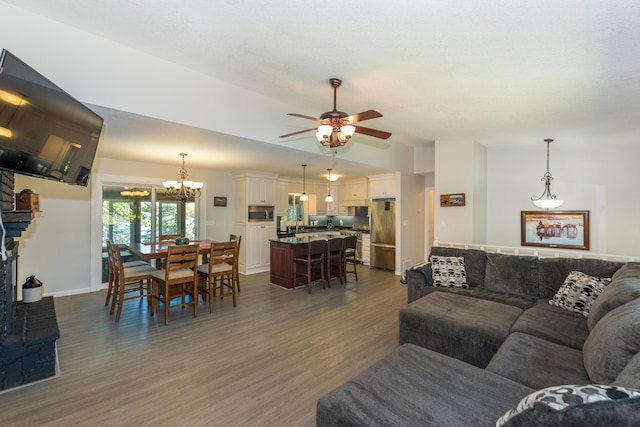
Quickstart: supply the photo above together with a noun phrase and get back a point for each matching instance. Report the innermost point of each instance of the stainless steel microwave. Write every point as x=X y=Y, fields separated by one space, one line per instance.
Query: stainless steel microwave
x=260 y=213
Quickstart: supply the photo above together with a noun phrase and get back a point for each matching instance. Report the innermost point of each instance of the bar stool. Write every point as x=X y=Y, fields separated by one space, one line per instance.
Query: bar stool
x=333 y=259
x=304 y=267
x=349 y=257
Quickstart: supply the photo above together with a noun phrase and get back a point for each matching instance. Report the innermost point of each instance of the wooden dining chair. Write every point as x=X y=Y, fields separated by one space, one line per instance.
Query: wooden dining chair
x=112 y=287
x=236 y=274
x=177 y=279
x=312 y=262
x=129 y=283
x=349 y=256
x=333 y=259
x=218 y=274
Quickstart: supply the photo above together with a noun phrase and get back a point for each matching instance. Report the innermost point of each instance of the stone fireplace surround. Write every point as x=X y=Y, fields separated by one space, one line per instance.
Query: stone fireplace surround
x=28 y=332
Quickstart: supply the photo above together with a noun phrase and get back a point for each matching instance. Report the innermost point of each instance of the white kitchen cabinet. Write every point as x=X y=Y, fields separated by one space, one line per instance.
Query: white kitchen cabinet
x=366 y=248
x=382 y=186
x=354 y=190
x=353 y=193
x=261 y=191
x=282 y=198
x=256 y=246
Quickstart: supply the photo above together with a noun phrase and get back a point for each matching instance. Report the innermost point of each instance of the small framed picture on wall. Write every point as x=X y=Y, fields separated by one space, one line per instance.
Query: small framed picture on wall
x=219 y=201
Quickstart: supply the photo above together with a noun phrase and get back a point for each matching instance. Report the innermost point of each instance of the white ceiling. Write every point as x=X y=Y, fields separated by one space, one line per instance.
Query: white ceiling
x=501 y=73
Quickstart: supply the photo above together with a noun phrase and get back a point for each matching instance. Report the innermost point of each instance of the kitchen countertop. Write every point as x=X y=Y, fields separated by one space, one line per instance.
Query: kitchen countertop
x=305 y=239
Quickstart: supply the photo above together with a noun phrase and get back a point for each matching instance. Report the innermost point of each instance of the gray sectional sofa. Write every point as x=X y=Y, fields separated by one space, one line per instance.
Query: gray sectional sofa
x=498 y=353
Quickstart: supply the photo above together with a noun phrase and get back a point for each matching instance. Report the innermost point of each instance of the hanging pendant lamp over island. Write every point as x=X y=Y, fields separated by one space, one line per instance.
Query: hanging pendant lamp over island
x=329 y=198
x=304 y=197
x=547 y=200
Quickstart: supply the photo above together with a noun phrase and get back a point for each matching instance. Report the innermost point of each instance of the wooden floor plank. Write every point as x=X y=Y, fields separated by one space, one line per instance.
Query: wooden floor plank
x=264 y=363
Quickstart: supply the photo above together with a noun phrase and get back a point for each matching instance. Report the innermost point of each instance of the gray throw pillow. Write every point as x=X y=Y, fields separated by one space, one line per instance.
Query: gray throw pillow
x=575 y=405
x=448 y=272
x=578 y=292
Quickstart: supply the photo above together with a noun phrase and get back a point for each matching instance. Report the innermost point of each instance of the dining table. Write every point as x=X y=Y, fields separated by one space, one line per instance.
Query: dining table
x=157 y=251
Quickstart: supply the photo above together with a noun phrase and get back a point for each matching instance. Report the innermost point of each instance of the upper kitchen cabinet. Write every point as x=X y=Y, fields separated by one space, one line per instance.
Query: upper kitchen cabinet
x=354 y=192
x=282 y=197
x=252 y=188
x=382 y=186
x=257 y=188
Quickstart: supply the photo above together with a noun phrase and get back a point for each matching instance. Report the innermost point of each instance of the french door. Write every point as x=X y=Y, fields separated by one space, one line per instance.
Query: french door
x=137 y=214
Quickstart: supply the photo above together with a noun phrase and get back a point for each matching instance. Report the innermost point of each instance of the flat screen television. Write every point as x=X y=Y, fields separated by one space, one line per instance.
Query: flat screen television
x=44 y=131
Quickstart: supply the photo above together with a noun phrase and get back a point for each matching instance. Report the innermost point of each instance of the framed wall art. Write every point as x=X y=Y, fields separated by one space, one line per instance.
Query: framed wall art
x=219 y=201
x=448 y=200
x=555 y=229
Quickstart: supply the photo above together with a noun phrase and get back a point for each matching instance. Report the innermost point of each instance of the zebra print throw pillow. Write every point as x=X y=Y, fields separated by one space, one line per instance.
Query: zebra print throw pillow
x=578 y=292
x=448 y=272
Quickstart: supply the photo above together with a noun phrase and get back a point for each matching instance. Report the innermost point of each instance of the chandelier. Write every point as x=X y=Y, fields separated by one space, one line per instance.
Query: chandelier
x=547 y=200
x=183 y=188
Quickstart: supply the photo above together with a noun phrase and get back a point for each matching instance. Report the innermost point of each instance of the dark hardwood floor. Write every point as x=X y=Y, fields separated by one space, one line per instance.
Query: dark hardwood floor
x=264 y=363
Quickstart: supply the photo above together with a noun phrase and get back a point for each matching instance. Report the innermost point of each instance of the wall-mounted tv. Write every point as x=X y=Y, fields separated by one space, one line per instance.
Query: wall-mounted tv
x=44 y=131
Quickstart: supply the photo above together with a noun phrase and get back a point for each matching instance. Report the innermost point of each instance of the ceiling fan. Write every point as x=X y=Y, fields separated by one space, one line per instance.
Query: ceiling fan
x=337 y=127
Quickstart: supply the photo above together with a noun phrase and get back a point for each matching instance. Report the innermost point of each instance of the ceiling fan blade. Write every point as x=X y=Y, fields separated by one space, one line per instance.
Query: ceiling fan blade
x=299 y=132
x=302 y=116
x=373 y=132
x=365 y=115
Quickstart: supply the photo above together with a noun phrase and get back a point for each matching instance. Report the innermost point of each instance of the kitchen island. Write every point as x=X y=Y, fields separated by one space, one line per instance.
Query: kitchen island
x=284 y=250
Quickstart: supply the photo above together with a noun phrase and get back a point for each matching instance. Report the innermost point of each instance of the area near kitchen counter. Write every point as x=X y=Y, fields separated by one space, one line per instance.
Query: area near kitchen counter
x=284 y=250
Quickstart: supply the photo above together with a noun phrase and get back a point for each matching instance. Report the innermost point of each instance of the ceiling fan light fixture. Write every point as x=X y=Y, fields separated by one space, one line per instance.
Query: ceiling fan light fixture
x=348 y=130
x=5 y=132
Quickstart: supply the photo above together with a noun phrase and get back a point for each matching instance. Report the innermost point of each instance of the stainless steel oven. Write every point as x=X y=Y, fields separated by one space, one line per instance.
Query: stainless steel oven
x=260 y=213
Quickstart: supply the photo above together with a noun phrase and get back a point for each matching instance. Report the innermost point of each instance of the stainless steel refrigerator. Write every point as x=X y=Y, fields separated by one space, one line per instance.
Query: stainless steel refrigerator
x=383 y=234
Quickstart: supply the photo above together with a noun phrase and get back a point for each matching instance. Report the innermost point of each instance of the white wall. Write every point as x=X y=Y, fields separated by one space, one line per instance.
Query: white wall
x=460 y=167
x=605 y=182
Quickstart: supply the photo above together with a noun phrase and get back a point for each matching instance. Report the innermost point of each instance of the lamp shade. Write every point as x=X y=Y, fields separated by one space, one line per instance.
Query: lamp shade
x=548 y=203
x=348 y=130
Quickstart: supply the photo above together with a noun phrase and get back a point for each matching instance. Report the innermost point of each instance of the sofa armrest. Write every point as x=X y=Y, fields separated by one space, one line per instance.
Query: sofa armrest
x=419 y=281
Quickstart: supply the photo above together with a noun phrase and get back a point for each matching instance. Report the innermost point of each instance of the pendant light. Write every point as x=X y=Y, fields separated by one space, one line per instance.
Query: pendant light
x=329 y=198
x=304 y=196
x=547 y=200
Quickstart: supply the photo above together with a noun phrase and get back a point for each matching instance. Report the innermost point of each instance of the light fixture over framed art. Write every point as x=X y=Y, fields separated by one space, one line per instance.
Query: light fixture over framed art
x=547 y=200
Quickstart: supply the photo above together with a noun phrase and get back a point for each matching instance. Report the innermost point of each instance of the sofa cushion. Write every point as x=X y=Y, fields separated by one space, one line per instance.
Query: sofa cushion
x=448 y=271
x=553 y=271
x=538 y=363
x=414 y=386
x=475 y=262
x=509 y=299
x=576 y=405
x=624 y=287
x=553 y=324
x=469 y=329
x=578 y=292
x=612 y=343
x=630 y=375
x=512 y=274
